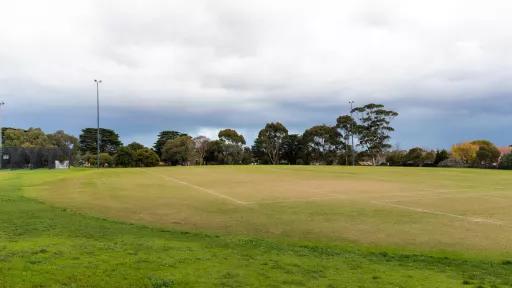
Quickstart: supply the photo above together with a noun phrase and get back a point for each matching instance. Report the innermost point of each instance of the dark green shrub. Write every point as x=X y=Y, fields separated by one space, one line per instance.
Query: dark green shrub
x=146 y=158
x=506 y=161
x=125 y=157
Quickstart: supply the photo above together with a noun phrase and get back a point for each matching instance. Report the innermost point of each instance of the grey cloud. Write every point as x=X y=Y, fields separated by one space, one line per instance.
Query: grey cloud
x=202 y=64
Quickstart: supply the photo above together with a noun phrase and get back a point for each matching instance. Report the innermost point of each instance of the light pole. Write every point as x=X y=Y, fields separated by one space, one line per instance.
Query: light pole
x=97 y=122
x=1 y=139
x=352 y=133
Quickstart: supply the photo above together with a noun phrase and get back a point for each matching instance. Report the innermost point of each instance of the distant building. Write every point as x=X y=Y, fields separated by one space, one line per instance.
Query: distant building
x=505 y=150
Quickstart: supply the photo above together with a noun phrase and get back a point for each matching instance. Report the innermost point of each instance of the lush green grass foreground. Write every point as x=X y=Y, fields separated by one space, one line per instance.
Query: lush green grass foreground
x=46 y=246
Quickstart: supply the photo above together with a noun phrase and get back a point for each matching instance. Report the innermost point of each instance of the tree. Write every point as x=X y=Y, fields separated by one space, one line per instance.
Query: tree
x=134 y=146
x=322 y=143
x=105 y=159
x=232 y=153
x=428 y=158
x=125 y=157
x=292 y=148
x=506 y=162
x=487 y=155
x=232 y=147
x=62 y=140
x=271 y=139
x=258 y=153
x=163 y=138
x=396 y=158
x=441 y=155
x=146 y=157
x=465 y=152
x=414 y=157
x=373 y=128
x=215 y=152
x=180 y=151
x=231 y=136
x=247 y=157
x=66 y=144
x=30 y=138
x=346 y=126
x=201 y=146
x=109 y=141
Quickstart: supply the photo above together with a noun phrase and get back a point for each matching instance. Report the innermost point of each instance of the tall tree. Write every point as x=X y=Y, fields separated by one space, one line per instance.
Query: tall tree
x=201 y=145
x=487 y=155
x=135 y=146
x=109 y=141
x=231 y=136
x=163 y=137
x=62 y=140
x=67 y=144
x=232 y=147
x=322 y=144
x=271 y=139
x=215 y=152
x=292 y=148
x=346 y=126
x=466 y=152
x=180 y=151
x=373 y=128
x=258 y=153
x=30 y=138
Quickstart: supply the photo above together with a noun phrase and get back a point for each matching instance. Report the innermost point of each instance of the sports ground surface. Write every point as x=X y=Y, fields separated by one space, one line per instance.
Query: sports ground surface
x=256 y=226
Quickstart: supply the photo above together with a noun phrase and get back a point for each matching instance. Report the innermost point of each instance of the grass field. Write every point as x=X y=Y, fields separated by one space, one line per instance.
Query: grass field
x=256 y=226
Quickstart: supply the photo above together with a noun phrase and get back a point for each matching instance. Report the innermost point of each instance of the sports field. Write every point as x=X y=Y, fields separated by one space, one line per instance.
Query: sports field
x=256 y=226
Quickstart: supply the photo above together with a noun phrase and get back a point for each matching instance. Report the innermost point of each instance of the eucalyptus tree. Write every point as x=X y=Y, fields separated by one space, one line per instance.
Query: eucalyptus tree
x=232 y=146
x=322 y=144
x=373 y=128
x=271 y=140
x=201 y=146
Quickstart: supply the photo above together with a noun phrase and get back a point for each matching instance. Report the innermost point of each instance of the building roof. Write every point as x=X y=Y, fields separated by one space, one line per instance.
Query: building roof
x=505 y=150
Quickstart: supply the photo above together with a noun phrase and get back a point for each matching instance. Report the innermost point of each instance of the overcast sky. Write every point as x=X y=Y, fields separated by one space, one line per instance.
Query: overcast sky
x=198 y=66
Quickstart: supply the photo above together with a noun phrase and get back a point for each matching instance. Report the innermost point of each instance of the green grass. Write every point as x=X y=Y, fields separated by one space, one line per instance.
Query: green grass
x=61 y=245
x=427 y=210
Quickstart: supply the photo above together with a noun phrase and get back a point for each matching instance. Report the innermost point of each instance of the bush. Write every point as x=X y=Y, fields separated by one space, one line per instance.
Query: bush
x=106 y=160
x=125 y=157
x=506 y=162
x=452 y=163
x=146 y=158
x=89 y=160
x=395 y=158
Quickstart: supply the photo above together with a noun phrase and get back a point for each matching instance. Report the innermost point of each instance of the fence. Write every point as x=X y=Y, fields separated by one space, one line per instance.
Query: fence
x=33 y=158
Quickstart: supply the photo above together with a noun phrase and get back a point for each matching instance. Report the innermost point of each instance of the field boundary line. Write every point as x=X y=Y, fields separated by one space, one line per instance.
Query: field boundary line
x=209 y=191
x=473 y=219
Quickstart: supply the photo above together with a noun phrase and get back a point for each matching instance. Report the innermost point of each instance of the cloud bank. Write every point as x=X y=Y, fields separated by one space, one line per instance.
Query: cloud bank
x=197 y=66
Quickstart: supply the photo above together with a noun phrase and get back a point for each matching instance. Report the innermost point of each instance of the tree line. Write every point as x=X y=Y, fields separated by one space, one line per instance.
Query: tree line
x=320 y=144
x=360 y=137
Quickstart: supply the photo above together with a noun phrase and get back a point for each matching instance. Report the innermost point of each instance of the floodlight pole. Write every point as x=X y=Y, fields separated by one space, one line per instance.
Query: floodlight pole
x=1 y=137
x=97 y=122
x=352 y=133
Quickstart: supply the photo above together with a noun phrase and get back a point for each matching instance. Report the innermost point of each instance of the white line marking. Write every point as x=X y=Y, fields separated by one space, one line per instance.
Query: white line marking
x=473 y=219
x=211 y=192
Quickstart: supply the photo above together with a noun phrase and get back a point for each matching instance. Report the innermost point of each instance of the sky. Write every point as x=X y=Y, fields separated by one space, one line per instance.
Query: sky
x=198 y=66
